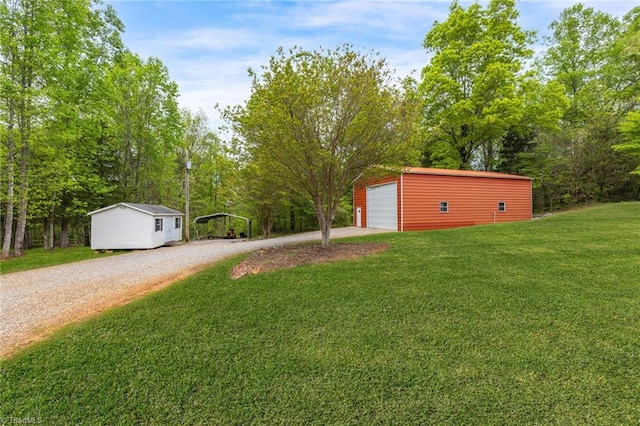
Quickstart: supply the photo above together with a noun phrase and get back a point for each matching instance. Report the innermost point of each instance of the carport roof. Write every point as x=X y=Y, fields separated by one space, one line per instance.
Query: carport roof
x=207 y=218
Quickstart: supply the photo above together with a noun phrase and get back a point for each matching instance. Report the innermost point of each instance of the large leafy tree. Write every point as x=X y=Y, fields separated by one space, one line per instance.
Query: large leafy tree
x=600 y=76
x=143 y=129
x=65 y=182
x=579 y=48
x=48 y=50
x=628 y=49
x=473 y=87
x=543 y=107
x=28 y=45
x=630 y=128
x=318 y=119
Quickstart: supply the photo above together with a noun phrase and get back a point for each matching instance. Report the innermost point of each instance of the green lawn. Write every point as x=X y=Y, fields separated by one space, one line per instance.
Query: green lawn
x=522 y=323
x=39 y=258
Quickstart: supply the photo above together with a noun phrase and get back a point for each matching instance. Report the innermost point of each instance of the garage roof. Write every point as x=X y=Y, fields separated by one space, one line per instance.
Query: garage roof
x=469 y=173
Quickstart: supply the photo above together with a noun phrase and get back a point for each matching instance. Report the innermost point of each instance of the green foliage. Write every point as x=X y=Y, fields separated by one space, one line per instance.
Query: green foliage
x=630 y=128
x=521 y=323
x=588 y=53
x=84 y=121
x=262 y=195
x=629 y=55
x=557 y=123
x=623 y=73
x=212 y=185
x=144 y=129
x=316 y=120
x=51 y=56
x=474 y=88
x=579 y=50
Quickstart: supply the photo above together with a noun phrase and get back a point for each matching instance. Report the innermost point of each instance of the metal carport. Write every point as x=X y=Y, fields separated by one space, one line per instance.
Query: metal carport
x=203 y=221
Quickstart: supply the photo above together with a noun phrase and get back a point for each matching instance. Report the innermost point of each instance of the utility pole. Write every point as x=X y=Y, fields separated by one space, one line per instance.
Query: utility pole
x=186 y=193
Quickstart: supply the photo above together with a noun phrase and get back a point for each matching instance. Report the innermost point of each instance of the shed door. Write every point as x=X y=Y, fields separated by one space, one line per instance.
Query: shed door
x=168 y=228
x=382 y=208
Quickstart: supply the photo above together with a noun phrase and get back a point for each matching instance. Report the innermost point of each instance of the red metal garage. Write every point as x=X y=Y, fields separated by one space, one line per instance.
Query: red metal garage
x=424 y=198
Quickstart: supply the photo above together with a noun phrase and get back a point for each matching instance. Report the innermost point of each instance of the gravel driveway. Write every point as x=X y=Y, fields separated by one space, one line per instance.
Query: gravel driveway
x=36 y=303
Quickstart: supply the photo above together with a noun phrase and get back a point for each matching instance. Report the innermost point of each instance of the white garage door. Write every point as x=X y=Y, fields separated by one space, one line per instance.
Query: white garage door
x=382 y=209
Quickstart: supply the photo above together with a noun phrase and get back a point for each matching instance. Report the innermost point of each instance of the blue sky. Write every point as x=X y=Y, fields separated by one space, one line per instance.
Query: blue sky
x=209 y=45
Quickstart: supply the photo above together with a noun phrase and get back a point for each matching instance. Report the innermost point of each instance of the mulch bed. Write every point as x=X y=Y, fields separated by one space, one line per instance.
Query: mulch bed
x=289 y=256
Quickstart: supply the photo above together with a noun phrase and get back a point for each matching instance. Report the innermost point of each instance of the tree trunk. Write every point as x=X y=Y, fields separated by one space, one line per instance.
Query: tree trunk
x=51 y=232
x=64 y=233
x=18 y=244
x=324 y=221
x=45 y=233
x=23 y=188
x=87 y=235
x=8 y=224
x=292 y=218
x=325 y=230
x=326 y=214
x=266 y=227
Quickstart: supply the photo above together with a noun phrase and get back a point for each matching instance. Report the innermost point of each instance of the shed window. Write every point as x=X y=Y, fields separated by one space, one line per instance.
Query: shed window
x=177 y=223
x=444 y=206
x=158 y=225
x=502 y=206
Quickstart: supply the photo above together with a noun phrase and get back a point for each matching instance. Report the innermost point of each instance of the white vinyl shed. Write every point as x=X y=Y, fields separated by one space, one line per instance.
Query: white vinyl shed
x=134 y=226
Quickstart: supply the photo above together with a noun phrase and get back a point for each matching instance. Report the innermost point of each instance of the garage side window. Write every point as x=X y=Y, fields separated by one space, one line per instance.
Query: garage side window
x=502 y=206
x=177 y=223
x=158 y=225
x=444 y=207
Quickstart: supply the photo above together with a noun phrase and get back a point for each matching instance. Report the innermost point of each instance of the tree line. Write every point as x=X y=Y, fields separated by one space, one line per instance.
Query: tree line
x=560 y=117
x=86 y=123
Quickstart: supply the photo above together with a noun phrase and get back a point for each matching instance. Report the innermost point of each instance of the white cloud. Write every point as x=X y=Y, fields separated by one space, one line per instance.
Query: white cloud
x=392 y=17
x=613 y=7
x=209 y=38
x=210 y=63
x=208 y=46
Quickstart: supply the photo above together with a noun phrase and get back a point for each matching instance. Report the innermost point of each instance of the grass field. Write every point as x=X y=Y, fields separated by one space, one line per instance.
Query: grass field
x=521 y=323
x=40 y=258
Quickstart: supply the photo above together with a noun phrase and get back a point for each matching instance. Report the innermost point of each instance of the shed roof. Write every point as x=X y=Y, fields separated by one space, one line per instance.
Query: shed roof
x=151 y=209
x=468 y=173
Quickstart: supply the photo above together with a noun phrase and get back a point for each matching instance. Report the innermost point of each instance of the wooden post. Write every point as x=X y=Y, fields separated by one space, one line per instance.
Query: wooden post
x=186 y=192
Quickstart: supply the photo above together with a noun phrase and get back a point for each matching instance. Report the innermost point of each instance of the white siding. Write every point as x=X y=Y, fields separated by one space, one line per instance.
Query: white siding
x=123 y=228
x=177 y=233
x=157 y=237
x=382 y=206
x=170 y=231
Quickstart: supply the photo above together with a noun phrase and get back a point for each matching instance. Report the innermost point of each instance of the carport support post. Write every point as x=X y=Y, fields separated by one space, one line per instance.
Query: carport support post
x=186 y=207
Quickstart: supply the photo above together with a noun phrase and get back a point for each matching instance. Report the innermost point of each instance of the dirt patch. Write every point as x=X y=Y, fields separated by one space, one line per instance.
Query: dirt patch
x=290 y=256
